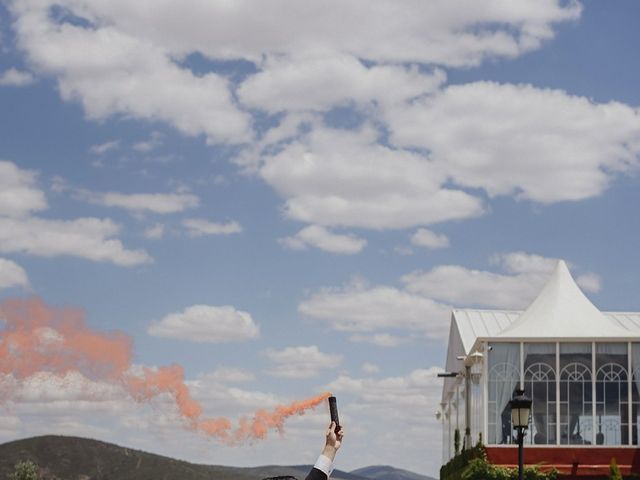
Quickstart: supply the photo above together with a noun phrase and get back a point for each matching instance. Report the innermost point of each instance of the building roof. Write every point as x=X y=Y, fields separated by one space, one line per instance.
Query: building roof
x=560 y=312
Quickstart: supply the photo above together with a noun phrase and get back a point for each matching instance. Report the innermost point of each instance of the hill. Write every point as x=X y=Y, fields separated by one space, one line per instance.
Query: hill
x=73 y=458
x=386 y=472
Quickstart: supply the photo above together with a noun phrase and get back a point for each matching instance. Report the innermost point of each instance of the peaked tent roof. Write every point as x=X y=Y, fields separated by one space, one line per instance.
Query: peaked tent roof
x=562 y=311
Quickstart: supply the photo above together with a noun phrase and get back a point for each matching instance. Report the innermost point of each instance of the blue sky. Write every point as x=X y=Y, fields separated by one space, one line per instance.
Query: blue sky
x=337 y=176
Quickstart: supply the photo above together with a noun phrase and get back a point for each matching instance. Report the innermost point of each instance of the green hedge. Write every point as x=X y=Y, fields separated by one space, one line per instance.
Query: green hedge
x=454 y=468
x=473 y=465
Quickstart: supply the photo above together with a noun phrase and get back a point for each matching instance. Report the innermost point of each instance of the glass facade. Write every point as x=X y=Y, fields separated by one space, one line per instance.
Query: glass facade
x=612 y=394
x=582 y=393
x=540 y=386
x=576 y=394
x=503 y=379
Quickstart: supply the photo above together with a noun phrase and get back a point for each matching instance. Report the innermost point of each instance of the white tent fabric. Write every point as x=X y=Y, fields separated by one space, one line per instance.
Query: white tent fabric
x=562 y=311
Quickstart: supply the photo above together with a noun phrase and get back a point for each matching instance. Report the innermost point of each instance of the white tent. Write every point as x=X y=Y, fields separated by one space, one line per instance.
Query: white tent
x=560 y=314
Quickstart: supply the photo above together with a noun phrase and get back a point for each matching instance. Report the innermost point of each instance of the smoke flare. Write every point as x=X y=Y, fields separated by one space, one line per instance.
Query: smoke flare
x=39 y=338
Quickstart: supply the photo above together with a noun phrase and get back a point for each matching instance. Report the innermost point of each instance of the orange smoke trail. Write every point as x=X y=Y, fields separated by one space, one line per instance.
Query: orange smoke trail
x=264 y=421
x=39 y=338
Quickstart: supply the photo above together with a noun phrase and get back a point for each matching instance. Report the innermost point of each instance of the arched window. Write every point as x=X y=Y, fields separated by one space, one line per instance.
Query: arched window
x=540 y=385
x=611 y=404
x=576 y=407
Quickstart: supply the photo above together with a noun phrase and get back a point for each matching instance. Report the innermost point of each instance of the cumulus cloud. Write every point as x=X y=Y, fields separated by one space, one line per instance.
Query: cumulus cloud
x=224 y=374
x=590 y=282
x=153 y=142
x=361 y=308
x=404 y=401
x=320 y=237
x=301 y=362
x=21 y=232
x=19 y=194
x=553 y=147
x=206 y=323
x=89 y=238
x=381 y=339
x=298 y=84
x=197 y=227
x=456 y=33
x=413 y=390
x=161 y=203
x=428 y=239
x=102 y=148
x=16 y=78
x=526 y=275
x=339 y=178
x=112 y=71
x=387 y=316
x=368 y=367
x=12 y=274
x=155 y=231
x=308 y=58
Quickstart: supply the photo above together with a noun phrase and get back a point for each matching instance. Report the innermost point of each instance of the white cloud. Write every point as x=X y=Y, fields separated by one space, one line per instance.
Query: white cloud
x=46 y=387
x=466 y=287
x=205 y=323
x=197 y=227
x=111 y=71
x=526 y=275
x=301 y=362
x=293 y=84
x=381 y=339
x=228 y=375
x=414 y=389
x=337 y=178
x=16 y=78
x=154 y=232
x=153 y=142
x=19 y=194
x=395 y=411
x=161 y=203
x=522 y=262
x=319 y=237
x=428 y=239
x=368 y=367
x=456 y=33
x=542 y=145
x=403 y=250
x=12 y=274
x=102 y=148
x=590 y=282
x=10 y=425
x=89 y=238
x=359 y=308
x=127 y=59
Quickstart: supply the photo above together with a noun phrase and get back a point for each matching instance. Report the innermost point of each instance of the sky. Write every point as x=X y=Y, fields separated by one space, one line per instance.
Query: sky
x=276 y=199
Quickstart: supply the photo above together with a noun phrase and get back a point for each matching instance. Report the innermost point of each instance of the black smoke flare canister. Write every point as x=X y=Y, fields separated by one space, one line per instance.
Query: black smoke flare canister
x=333 y=410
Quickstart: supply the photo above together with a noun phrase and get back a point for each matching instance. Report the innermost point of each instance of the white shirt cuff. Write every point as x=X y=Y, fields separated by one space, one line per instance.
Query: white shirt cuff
x=325 y=465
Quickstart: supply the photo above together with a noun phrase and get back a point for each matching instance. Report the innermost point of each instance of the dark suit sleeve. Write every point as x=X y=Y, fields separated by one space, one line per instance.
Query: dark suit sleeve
x=316 y=474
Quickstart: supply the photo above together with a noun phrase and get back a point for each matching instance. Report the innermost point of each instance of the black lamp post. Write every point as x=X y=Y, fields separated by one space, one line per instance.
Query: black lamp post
x=520 y=409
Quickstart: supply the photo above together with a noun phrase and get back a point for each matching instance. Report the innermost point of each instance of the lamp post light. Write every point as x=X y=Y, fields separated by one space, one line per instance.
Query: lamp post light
x=520 y=410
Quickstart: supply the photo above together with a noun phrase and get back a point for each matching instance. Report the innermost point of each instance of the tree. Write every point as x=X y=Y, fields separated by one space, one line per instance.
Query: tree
x=26 y=470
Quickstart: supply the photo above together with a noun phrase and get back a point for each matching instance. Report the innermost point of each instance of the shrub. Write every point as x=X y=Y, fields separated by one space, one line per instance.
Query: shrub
x=614 y=470
x=26 y=470
x=473 y=465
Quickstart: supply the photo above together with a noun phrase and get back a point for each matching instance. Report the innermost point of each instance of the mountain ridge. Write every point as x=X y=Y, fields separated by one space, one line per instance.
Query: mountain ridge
x=76 y=458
